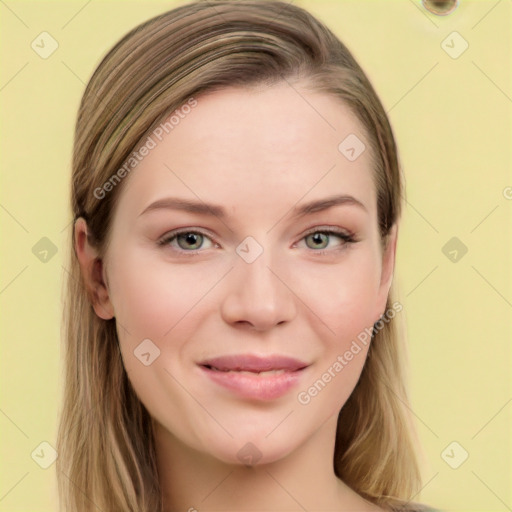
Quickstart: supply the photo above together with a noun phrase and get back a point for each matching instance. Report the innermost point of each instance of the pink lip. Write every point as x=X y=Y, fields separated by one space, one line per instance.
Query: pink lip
x=227 y=372
x=253 y=363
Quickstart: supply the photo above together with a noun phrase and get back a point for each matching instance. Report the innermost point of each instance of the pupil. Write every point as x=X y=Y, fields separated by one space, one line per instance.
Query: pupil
x=319 y=238
x=190 y=239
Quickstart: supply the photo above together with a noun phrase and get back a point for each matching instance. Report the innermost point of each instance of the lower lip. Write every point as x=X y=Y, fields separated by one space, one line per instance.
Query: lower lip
x=257 y=387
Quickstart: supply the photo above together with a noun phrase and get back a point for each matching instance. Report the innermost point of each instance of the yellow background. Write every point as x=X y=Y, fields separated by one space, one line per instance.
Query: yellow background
x=451 y=118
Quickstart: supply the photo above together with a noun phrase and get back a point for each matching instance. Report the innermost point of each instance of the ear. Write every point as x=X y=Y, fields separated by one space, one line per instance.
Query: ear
x=387 y=269
x=92 y=271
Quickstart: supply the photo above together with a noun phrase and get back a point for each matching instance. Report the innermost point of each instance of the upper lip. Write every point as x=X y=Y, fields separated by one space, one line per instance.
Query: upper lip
x=254 y=363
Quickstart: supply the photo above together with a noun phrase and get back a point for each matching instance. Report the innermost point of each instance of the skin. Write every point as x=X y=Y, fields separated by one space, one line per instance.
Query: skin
x=259 y=153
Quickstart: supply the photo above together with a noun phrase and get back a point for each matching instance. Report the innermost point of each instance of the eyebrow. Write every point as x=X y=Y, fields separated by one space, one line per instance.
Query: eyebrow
x=200 y=207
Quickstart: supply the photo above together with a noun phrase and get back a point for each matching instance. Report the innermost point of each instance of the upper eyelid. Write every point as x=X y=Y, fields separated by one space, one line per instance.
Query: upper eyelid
x=333 y=230
x=179 y=231
x=171 y=235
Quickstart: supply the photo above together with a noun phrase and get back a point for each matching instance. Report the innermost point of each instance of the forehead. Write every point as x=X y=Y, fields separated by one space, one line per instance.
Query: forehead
x=255 y=147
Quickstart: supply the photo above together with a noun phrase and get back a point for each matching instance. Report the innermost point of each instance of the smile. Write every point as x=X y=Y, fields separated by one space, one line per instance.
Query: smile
x=255 y=377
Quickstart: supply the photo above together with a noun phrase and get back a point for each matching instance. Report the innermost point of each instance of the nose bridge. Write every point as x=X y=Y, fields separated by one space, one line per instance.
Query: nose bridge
x=256 y=277
x=255 y=294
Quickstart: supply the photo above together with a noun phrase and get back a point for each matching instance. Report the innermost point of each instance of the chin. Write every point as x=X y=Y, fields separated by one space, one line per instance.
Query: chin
x=252 y=451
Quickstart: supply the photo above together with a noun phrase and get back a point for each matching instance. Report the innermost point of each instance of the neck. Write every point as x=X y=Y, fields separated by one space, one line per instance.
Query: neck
x=302 y=480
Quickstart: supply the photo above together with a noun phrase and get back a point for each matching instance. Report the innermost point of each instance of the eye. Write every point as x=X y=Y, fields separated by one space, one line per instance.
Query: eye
x=186 y=240
x=320 y=239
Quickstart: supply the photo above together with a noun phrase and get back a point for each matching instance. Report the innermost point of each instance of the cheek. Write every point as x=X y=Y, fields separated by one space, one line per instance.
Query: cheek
x=152 y=297
x=343 y=296
x=157 y=301
x=347 y=311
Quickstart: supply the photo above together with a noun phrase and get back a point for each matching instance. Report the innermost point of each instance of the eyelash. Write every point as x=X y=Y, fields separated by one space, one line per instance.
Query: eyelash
x=347 y=238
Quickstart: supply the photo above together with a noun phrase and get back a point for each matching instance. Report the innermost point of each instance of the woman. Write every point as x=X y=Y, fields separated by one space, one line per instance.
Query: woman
x=231 y=327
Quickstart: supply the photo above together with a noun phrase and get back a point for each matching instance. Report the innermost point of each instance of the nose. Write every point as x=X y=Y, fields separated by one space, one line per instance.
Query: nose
x=257 y=295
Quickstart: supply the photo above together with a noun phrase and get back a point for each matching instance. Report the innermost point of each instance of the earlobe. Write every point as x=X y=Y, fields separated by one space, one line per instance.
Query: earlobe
x=92 y=271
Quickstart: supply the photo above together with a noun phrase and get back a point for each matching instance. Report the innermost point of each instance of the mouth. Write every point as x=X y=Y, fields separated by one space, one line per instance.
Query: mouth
x=247 y=372
x=254 y=364
x=255 y=377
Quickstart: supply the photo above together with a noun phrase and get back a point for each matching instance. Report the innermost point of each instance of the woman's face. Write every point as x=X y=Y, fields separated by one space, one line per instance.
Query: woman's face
x=252 y=179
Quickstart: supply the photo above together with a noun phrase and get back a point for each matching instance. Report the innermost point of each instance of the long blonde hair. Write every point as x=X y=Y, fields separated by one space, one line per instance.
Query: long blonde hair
x=105 y=445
